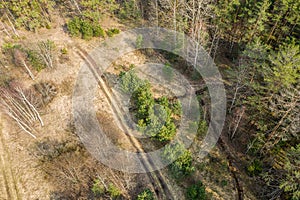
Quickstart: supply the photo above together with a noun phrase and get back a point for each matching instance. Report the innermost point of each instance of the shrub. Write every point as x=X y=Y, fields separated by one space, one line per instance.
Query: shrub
x=157 y=123
x=254 y=168
x=98 y=189
x=98 y=31
x=113 y=191
x=35 y=60
x=113 y=31
x=168 y=72
x=196 y=192
x=74 y=27
x=64 y=51
x=130 y=82
x=182 y=167
x=139 y=41
x=129 y=10
x=202 y=128
x=176 y=108
x=144 y=102
x=86 y=30
x=146 y=195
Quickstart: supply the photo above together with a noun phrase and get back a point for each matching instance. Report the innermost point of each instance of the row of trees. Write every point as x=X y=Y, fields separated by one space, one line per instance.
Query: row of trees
x=270 y=90
x=266 y=89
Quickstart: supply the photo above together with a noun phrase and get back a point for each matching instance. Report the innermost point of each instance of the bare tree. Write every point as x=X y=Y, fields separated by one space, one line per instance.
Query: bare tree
x=46 y=51
x=16 y=104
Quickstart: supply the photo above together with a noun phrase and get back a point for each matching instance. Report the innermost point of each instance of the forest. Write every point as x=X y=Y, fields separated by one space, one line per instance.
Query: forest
x=255 y=45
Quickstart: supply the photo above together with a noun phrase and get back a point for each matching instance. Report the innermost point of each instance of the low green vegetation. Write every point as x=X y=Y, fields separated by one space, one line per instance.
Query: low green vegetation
x=98 y=190
x=113 y=191
x=196 y=192
x=182 y=166
x=155 y=117
x=146 y=195
x=112 y=31
x=85 y=28
x=28 y=14
x=32 y=56
x=254 y=168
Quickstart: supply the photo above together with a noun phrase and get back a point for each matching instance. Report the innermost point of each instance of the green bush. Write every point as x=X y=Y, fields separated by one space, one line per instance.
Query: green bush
x=168 y=72
x=202 y=128
x=196 y=192
x=254 y=168
x=182 y=167
x=113 y=191
x=144 y=102
x=154 y=121
x=113 y=31
x=129 y=10
x=74 y=27
x=64 y=51
x=130 y=82
x=98 y=188
x=176 y=108
x=35 y=60
x=139 y=41
x=146 y=195
x=86 y=29
x=98 y=31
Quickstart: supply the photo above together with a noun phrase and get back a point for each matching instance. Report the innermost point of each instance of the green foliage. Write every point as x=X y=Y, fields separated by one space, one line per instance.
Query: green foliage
x=113 y=191
x=202 y=128
x=139 y=41
x=7 y=47
x=224 y=183
x=168 y=72
x=98 y=188
x=176 y=107
x=98 y=31
x=129 y=10
x=112 y=31
x=182 y=166
x=144 y=102
x=196 y=192
x=29 y=14
x=130 y=82
x=74 y=26
x=255 y=168
x=146 y=195
x=35 y=60
x=269 y=21
x=155 y=121
x=64 y=51
x=85 y=28
x=291 y=182
x=285 y=65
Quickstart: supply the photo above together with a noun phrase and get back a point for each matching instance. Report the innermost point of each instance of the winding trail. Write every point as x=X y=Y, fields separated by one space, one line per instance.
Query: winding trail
x=160 y=185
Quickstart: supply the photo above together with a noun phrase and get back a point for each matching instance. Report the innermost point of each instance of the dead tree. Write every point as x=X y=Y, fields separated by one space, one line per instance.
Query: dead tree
x=46 y=51
x=19 y=58
x=16 y=104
